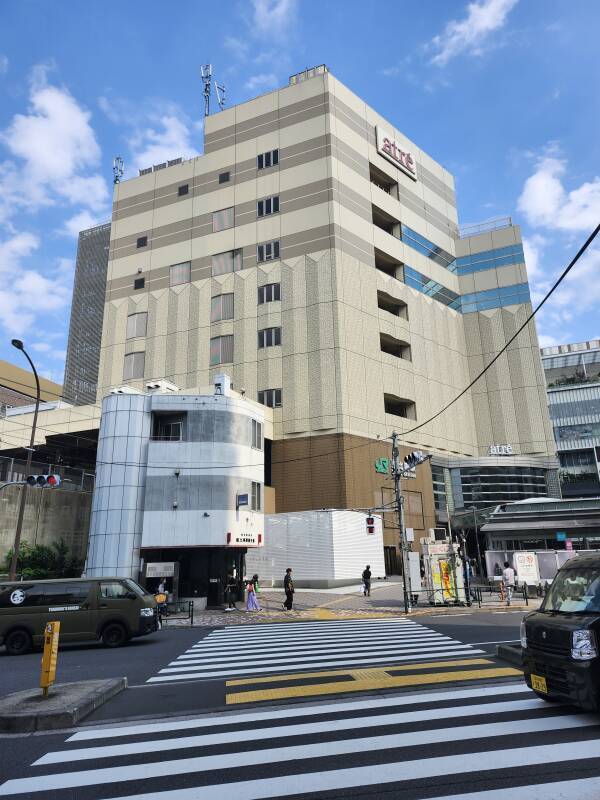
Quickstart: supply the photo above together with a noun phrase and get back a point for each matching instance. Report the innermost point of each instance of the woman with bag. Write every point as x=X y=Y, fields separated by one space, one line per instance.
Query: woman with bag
x=252 y=588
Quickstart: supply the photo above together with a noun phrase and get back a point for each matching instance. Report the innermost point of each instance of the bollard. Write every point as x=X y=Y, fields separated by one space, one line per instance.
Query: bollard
x=191 y=613
x=526 y=593
x=50 y=656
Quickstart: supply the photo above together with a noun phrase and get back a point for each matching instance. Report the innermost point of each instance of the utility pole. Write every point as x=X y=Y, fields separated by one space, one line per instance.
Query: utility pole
x=397 y=471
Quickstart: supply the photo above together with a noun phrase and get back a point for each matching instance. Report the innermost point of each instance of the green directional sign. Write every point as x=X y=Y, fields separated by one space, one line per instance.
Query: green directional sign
x=382 y=465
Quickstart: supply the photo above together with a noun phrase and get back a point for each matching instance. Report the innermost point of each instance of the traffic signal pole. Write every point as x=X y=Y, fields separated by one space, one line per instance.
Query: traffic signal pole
x=397 y=471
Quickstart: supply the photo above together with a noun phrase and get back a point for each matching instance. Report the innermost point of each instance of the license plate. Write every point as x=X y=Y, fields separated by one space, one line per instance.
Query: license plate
x=539 y=684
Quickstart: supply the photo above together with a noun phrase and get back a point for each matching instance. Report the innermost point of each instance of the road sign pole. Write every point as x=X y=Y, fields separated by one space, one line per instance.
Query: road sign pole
x=50 y=656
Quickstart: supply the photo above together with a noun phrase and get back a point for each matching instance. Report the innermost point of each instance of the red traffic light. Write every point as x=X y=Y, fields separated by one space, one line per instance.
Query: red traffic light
x=370 y=524
x=49 y=481
x=53 y=480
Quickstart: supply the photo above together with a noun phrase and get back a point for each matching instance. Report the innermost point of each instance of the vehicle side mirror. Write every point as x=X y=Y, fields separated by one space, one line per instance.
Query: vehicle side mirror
x=131 y=596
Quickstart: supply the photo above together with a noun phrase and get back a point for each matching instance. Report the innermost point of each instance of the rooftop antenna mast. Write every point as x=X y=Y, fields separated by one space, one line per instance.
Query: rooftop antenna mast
x=220 y=92
x=118 y=169
x=206 y=72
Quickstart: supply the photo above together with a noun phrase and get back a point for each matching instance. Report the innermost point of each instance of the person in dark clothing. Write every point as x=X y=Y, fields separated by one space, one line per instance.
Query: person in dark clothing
x=366 y=577
x=288 y=586
x=231 y=589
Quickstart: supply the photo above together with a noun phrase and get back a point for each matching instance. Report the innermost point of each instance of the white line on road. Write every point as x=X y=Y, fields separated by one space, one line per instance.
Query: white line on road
x=411 y=770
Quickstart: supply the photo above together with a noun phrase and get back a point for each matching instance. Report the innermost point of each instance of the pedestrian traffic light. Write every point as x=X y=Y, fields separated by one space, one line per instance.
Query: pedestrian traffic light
x=370 y=524
x=43 y=481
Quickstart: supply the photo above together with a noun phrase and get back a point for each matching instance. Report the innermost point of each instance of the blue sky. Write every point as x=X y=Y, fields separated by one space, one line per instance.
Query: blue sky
x=502 y=92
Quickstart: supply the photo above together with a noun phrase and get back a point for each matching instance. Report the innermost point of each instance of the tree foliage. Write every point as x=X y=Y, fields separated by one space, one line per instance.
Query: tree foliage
x=40 y=561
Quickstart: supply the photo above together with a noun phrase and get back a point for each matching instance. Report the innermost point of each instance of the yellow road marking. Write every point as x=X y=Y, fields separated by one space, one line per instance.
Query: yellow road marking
x=357 y=673
x=262 y=695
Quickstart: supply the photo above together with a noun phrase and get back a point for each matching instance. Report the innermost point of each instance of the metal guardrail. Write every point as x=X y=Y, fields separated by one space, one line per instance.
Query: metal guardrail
x=182 y=611
x=483 y=227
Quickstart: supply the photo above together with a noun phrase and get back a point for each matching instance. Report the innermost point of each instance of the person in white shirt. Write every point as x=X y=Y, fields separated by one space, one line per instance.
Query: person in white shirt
x=508 y=578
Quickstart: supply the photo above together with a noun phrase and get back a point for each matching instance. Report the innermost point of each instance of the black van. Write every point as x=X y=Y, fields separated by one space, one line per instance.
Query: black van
x=111 y=609
x=560 y=641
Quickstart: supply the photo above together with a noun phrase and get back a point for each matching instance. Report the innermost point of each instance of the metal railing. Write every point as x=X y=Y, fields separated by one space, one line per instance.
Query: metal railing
x=14 y=469
x=484 y=227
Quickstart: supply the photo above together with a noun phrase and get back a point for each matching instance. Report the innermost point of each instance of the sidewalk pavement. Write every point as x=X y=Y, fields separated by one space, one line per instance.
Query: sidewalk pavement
x=347 y=602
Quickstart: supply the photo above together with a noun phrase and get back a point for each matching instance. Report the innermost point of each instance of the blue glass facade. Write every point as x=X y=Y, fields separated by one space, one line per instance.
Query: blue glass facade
x=467 y=303
x=431 y=288
x=490 y=259
x=495 y=298
x=427 y=248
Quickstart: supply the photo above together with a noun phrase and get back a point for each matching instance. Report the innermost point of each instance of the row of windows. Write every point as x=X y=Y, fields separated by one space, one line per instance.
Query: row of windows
x=588 y=431
x=221 y=264
x=431 y=288
x=495 y=298
x=575 y=408
x=490 y=259
x=221 y=347
x=427 y=248
x=221 y=308
x=268 y=159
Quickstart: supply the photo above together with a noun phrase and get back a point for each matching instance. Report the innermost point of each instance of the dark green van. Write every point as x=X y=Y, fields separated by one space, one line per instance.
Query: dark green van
x=111 y=609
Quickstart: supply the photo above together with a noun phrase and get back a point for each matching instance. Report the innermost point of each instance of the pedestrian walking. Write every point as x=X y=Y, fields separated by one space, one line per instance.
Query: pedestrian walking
x=508 y=579
x=366 y=579
x=288 y=586
x=230 y=592
x=252 y=601
x=161 y=586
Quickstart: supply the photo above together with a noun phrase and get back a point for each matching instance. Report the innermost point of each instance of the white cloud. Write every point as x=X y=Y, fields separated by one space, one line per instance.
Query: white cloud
x=167 y=137
x=3 y=64
x=533 y=247
x=547 y=204
x=28 y=293
x=471 y=35
x=262 y=81
x=273 y=17
x=545 y=340
x=80 y=222
x=41 y=347
x=237 y=47
x=52 y=148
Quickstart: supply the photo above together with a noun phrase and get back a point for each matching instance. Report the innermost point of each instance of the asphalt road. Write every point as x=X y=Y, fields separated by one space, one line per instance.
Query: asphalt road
x=144 y=659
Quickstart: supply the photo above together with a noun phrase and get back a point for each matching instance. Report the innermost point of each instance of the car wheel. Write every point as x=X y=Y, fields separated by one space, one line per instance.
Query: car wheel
x=114 y=635
x=18 y=643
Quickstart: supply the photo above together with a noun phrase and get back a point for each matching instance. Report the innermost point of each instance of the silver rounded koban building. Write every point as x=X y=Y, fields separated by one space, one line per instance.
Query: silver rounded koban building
x=180 y=478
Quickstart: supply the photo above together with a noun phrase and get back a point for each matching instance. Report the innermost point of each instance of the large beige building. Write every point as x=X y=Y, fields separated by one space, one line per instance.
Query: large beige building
x=313 y=253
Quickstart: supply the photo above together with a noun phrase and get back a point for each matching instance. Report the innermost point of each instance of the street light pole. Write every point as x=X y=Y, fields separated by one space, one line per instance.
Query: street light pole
x=12 y=573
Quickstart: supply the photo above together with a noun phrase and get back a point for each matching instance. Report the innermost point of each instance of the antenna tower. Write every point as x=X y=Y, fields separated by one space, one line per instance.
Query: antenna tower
x=220 y=92
x=206 y=72
x=117 y=169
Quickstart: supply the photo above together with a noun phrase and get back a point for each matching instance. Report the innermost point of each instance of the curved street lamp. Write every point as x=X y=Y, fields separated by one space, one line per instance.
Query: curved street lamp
x=12 y=573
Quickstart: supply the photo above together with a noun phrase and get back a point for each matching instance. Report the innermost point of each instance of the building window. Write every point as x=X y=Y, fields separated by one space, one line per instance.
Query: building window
x=180 y=273
x=183 y=190
x=393 y=306
x=137 y=324
x=168 y=427
x=269 y=205
x=270 y=398
x=399 y=407
x=221 y=350
x=256 y=504
x=269 y=337
x=142 y=241
x=139 y=283
x=395 y=347
x=268 y=293
x=134 y=366
x=224 y=177
x=267 y=251
x=265 y=160
x=221 y=307
x=231 y=261
x=222 y=220
x=256 y=438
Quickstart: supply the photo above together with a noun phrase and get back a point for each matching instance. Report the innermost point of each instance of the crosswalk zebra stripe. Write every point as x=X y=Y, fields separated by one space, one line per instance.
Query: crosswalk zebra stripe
x=411 y=769
x=378 y=646
x=266 y=644
x=303 y=729
x=340 y=707
x=182 y=673
x=580 y=788
x=289 y=626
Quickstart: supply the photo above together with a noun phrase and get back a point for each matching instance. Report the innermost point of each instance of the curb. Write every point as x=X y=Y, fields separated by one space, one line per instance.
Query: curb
x=511 y=653
x=67 y=704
